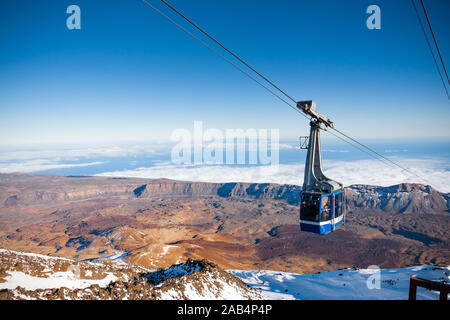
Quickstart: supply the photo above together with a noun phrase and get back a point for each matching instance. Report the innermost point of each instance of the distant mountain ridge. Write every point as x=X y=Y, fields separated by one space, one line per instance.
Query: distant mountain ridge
x=402 y=198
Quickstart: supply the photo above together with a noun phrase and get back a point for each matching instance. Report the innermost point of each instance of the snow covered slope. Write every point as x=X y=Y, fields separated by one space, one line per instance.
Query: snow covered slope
x=35 y=276
x=345 y=284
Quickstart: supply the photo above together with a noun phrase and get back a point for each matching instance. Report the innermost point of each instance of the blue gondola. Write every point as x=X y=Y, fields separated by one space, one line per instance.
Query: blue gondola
x=321 y=213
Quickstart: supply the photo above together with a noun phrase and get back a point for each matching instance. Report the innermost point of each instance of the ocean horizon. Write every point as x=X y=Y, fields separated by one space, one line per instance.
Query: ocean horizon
x=430 y=160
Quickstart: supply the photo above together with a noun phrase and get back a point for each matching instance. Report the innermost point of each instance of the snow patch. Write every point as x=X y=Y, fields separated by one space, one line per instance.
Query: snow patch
x=348 y=284
x=55 y=280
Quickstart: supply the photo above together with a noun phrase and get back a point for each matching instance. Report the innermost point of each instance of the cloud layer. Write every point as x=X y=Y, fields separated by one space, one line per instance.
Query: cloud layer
x=28 y=166
x=371 y=172
x=76 y=153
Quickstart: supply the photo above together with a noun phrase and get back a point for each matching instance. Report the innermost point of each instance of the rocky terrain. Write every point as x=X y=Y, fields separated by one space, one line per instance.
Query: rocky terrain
x=159 y=223
x=38 y=277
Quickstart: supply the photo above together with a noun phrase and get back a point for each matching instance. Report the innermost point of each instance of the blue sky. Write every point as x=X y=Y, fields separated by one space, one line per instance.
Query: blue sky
x=130 y=75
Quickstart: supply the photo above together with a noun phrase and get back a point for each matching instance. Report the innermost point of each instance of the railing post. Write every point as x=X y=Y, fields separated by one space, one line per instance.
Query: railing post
x=412 y=289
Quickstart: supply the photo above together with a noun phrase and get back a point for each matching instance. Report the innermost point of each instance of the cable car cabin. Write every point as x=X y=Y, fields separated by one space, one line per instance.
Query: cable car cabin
x=321 y=213
x=322 y=199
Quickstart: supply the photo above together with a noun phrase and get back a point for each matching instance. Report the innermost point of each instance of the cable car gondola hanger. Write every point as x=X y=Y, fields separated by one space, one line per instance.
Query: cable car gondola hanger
x=322 y=208
x=322 y=199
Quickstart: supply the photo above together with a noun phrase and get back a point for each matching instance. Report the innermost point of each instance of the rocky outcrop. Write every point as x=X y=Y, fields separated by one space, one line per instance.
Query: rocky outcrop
x=11 y=201
x=194 y=279
x=402 y=198
x=290 y=193
x=175 y=188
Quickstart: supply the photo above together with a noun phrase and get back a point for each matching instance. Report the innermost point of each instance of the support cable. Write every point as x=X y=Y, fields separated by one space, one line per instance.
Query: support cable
x=434 y=39
x=430 y=48
x=373 y=153
x=234 y=55
x=221 y=56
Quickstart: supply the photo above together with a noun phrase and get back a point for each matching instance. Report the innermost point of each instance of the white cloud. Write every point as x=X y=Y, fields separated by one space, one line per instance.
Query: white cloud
x=112 y=151
x=76 y=153
x=40 y=165
x=370 y=172
x=375 y=172
x=395 y=150
x=286 y=146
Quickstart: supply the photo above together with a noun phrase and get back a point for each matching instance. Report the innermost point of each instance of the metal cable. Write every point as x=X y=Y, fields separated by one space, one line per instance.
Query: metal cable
x=434 y=39
x=234 y=55
x=429 y=47
x=360 y=149
x=221 y=56
x=380 y=156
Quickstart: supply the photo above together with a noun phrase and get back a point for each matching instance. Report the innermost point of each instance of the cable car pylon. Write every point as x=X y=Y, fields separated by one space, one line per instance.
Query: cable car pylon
x=322 y=199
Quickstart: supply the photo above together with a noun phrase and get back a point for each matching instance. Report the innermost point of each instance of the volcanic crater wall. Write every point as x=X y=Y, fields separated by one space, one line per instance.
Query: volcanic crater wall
x=26 y=189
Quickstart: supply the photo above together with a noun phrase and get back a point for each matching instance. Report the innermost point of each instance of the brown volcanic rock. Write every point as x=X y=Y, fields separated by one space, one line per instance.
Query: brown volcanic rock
x=11 y=201
x=175 y=188
x=96 y=225
x=337 y=248
x=157 y=223
x=189 y=280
